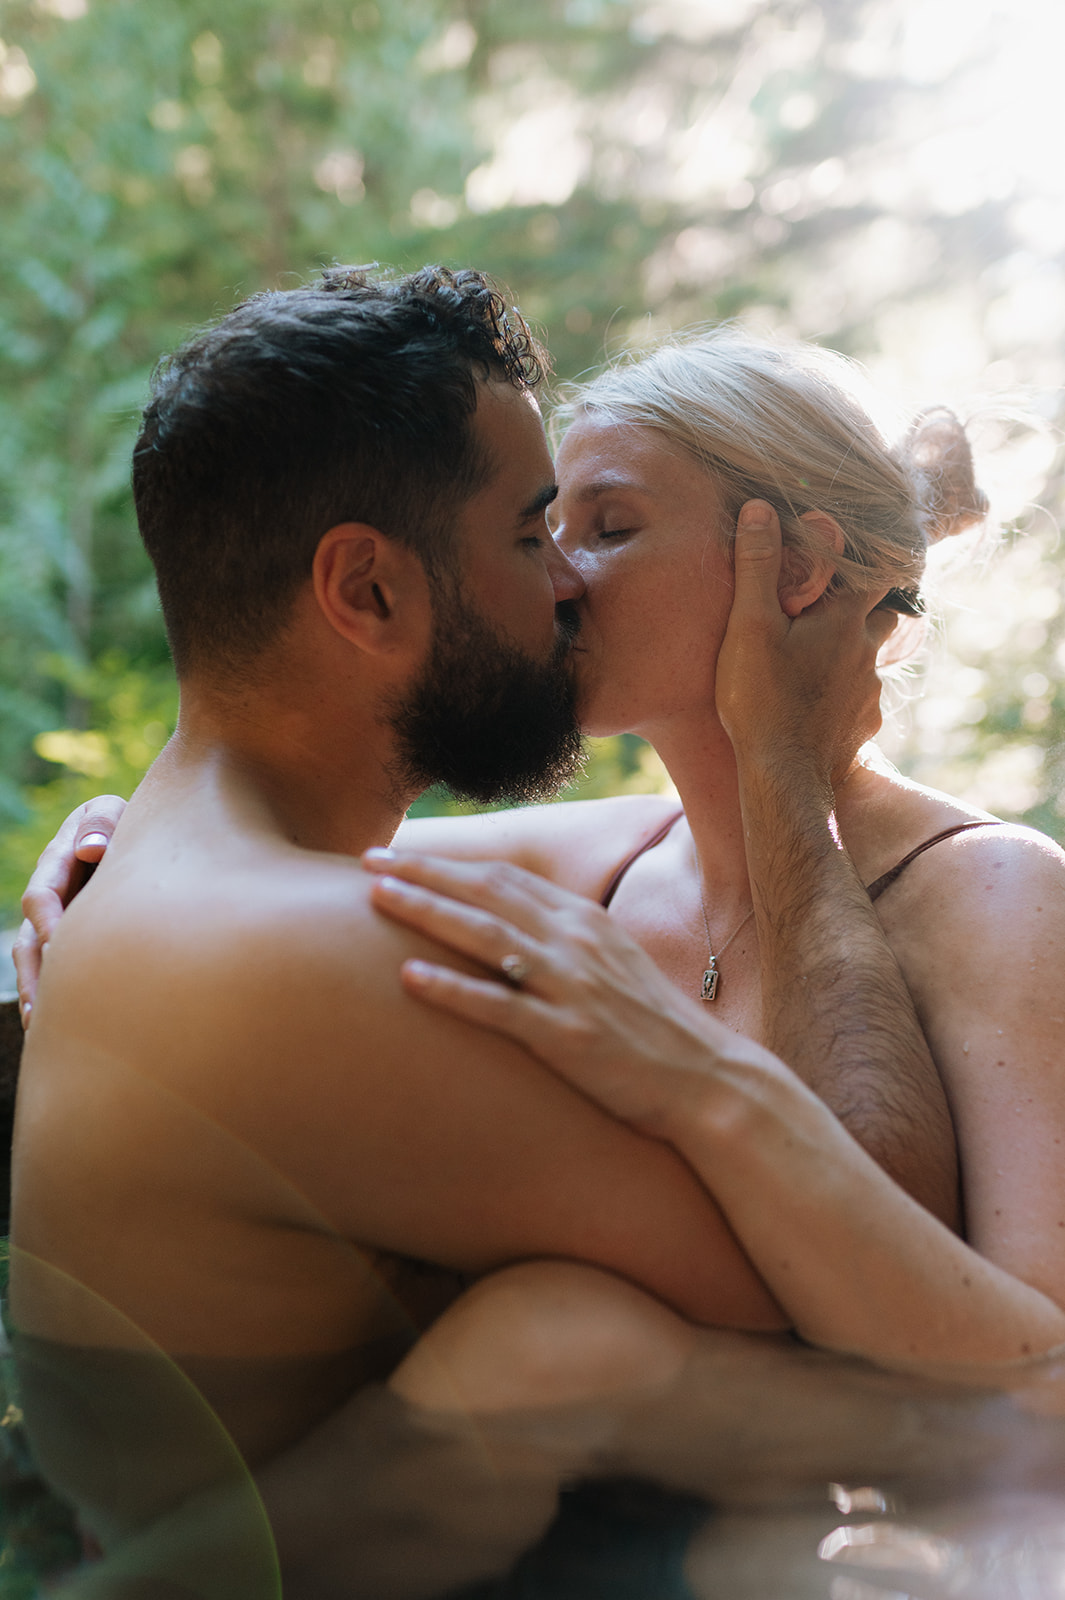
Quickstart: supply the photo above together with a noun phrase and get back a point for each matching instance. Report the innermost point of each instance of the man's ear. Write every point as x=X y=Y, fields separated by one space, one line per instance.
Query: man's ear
x=806 y=571
x=364 y=583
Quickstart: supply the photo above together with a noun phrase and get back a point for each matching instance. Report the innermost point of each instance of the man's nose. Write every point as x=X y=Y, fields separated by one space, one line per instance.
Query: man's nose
x=565 y=579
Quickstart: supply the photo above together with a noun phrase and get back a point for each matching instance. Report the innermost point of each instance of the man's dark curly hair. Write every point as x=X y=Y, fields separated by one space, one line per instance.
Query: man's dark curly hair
x=348 y=400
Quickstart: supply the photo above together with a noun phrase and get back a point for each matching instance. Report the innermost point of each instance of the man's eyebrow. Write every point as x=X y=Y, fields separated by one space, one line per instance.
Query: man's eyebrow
x=539 y=504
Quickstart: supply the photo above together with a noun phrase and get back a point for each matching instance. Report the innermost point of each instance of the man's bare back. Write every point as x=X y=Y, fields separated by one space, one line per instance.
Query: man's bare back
x=257 y=1129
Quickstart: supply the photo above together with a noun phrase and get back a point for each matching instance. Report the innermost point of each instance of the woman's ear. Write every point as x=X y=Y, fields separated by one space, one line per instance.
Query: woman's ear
x=363 y=582
x=806 y=570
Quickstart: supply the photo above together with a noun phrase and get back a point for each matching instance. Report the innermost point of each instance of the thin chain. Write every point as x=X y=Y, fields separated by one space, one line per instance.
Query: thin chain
x=711 y=976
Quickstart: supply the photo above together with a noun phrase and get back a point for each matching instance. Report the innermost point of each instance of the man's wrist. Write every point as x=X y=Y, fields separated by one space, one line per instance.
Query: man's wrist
x=796 y=771
x=790 y=827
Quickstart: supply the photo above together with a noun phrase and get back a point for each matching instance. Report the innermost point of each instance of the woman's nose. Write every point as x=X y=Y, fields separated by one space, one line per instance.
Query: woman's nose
x=565 y=579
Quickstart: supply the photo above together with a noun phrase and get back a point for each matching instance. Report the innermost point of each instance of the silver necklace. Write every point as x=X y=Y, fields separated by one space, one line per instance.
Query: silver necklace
x=711 y=977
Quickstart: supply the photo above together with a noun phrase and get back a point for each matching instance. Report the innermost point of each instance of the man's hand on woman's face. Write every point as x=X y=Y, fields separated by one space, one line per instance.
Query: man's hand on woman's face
x=796 y=687
x=65 y=865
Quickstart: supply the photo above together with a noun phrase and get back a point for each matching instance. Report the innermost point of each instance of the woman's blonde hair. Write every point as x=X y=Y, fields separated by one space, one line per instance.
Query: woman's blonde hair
x=778 y=422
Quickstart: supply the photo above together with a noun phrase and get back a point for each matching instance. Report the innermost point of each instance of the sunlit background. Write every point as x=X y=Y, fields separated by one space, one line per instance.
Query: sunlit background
x=885 y=178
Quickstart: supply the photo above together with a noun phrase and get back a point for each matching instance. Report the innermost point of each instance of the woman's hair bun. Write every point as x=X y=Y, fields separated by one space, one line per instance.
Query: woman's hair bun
x=938 y=454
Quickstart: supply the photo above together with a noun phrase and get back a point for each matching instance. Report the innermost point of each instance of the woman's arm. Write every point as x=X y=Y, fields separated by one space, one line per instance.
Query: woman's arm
x=979 y=924
x=858 y=1265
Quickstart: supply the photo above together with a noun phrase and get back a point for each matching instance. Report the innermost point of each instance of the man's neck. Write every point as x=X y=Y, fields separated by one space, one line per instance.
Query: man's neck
x=314 y=787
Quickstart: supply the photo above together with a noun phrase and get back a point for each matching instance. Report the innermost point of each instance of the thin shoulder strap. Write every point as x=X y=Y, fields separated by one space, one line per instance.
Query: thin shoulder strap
x=886 y=879
x=656 y=838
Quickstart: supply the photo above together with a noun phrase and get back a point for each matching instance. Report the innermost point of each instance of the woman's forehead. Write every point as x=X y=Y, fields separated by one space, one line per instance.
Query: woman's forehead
x=614 y=446
x=598 y=456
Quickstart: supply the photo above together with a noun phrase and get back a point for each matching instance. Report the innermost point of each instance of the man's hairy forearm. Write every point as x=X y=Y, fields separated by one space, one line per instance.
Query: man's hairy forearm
x=835 y=1005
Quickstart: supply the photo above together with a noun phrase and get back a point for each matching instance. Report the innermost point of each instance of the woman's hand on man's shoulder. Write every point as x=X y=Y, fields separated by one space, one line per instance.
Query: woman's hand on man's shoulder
x=65 y=864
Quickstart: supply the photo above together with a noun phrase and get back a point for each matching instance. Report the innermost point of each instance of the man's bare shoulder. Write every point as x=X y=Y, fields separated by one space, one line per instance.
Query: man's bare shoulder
x=206 y=905
x=179 y=959
x=577 y=843
x=252 y=1040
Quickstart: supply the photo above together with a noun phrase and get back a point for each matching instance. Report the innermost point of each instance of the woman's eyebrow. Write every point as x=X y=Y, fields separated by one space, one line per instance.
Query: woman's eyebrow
x=610 y=485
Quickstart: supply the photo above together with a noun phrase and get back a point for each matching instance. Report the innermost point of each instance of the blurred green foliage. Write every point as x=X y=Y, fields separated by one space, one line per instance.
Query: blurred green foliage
x=623 y=764
x=624 y=165
x=128 y=712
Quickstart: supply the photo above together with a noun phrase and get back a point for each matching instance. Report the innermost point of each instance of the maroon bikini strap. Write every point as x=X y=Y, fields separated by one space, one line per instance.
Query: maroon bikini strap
x=886 y=879
x=656 y=838
x=874 y=890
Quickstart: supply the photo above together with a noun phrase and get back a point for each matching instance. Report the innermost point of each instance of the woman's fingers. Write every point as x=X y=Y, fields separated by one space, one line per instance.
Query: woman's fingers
x=565 y=1038
x=466 y=929
x=97 y=821
x=487 y=1004
x=26 y=954
x=629 y=1064
x=81 y=841
x=59 y=874
x=582 y=996
x=496 y=886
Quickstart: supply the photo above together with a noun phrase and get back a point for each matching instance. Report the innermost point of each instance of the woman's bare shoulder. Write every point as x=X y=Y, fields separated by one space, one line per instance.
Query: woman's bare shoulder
x=885 y=816
x=1009 y=867
x=968 y=876
x=577 y=843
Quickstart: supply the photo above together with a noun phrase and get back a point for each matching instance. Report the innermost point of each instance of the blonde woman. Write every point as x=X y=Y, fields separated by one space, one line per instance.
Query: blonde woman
x=657 y=460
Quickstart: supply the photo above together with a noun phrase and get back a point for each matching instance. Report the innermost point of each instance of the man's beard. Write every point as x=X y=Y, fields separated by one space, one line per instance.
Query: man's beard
x=485 y=719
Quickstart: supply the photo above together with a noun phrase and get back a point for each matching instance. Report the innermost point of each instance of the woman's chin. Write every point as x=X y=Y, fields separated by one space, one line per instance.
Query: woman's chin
x=592 y=714
x=597 y=721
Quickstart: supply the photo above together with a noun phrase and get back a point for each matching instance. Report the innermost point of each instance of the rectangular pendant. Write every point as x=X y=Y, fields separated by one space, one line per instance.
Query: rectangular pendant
x=709 y=990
